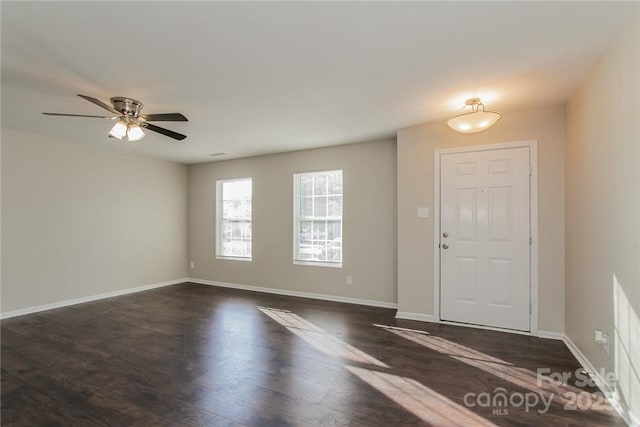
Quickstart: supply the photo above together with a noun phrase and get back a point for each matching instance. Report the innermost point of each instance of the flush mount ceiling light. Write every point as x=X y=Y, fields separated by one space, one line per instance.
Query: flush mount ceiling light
x=476 y=120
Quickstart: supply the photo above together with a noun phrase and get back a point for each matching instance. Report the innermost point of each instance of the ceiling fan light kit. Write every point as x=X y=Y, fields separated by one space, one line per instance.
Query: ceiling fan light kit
x=128 y=131
x=475 y=120
x=119 y=130
x=130 y=120
x=135 y=133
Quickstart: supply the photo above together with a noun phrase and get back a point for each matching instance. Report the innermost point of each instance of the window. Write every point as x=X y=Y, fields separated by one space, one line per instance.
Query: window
x=233 y=228
x=318 y=218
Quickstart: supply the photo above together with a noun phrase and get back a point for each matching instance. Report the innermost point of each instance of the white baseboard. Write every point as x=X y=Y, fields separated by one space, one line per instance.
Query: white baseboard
x=348 y=300
x=430 y=318
x=60 y=304
x=607 y=389
x=415 y=316
x=551 y=335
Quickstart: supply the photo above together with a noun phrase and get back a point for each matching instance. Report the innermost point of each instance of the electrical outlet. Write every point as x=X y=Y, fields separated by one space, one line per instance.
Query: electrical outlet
x=349 y=280
x=193 y=264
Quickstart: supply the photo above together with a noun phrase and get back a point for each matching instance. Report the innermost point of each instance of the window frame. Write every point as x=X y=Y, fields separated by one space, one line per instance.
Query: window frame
x=297 y=197
x=219 y=219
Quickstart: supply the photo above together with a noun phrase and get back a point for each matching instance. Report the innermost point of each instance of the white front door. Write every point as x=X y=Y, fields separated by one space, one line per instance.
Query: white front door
x=484 y=238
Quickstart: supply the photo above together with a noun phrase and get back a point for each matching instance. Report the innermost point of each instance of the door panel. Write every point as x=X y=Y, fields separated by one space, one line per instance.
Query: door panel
x=485 y=269
x=500 y=212
x=465 y=284
x=466 y=209
x=500 y=275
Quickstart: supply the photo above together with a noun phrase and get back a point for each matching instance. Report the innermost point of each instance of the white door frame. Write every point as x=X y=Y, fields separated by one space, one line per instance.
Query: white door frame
x=533 y=194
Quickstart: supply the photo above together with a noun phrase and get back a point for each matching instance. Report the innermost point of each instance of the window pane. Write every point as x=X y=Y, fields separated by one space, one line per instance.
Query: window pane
x=227 y=209
x=306 y=231
x=320 y=207
x=334 y=253
x=243 y=209
x=306 y=185
x=335 y=206
x=319 y=231
x=226 y=231
x=320 y=185
x=236 y=190
x=335 y=183
x=306 y=207
x=237 y=231
x=246 y=230
x=334 y=230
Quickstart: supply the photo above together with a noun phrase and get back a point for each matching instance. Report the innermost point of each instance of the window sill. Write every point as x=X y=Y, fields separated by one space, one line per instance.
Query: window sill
x=318 y=263
x=232 y=258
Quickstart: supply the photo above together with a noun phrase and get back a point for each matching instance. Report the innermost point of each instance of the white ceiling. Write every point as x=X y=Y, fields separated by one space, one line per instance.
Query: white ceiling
x=265 y=77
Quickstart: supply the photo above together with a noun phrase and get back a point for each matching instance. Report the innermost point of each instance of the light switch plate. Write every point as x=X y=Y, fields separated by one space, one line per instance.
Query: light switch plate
x=423 y=212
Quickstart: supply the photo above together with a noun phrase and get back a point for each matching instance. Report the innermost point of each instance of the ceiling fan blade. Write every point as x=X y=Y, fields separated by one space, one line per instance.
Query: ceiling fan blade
x=165 y=117
x=100 y=104
x=167 y=132
x=78 y=115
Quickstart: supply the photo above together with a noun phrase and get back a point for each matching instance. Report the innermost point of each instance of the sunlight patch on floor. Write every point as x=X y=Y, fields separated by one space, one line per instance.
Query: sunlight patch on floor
x=423 y=402
x=520 y=377
x=318 y=338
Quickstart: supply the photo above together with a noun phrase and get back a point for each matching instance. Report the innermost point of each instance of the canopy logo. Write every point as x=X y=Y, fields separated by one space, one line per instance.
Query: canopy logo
x=547 y=388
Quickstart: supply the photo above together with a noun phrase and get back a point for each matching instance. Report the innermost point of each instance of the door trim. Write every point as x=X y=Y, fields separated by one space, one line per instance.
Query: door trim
x=533 y=194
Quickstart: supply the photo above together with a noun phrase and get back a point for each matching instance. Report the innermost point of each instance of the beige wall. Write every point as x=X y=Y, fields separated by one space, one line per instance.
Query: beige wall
x=80 y=220
x=603 y=213
x=416 y=147
x=369 y=216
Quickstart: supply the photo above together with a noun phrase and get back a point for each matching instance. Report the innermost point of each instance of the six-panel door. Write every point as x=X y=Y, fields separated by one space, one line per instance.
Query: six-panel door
x=485 y=256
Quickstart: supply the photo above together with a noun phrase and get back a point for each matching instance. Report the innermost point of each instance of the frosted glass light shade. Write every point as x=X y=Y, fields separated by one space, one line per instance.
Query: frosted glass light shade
x=119 y=130
x=475 y=120
x=135 y=133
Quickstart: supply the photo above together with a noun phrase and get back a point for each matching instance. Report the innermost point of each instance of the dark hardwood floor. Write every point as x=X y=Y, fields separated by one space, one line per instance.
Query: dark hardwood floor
x=195 y=355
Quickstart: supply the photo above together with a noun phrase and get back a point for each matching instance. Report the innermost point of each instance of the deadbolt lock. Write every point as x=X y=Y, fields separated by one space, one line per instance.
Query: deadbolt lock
x=445 y=234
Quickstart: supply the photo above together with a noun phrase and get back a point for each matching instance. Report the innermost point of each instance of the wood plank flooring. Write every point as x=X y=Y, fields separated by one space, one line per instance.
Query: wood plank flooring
x=196 y=355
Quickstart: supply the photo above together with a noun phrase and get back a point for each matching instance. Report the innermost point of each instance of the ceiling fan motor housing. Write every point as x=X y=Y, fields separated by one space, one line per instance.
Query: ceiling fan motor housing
x=127 y=106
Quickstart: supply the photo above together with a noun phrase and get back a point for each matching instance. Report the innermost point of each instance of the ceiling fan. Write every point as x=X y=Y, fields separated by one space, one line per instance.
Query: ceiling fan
x=130 y=121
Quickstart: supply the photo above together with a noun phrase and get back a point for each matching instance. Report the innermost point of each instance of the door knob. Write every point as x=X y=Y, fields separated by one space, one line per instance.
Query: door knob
x=445 y=234
x=445 y=246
